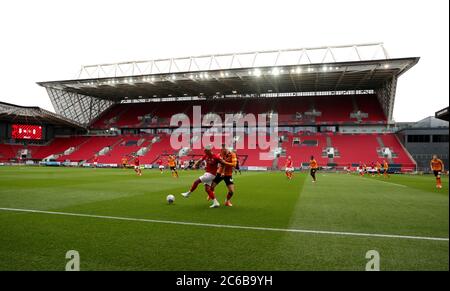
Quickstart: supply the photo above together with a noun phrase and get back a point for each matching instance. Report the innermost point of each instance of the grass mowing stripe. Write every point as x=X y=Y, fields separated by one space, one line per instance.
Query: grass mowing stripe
x=229 y=226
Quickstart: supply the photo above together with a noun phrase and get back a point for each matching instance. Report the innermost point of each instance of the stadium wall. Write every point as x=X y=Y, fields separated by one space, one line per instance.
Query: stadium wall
x=423 y=151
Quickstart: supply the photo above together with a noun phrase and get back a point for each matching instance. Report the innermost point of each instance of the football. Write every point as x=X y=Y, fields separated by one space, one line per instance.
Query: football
x=170 y=199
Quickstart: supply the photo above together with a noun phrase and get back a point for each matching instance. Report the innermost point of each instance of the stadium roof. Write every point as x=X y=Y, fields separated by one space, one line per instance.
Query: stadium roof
x=361 y=75
x=442 y=114
x=302 y=71
x=430 y=122
x=33 y=115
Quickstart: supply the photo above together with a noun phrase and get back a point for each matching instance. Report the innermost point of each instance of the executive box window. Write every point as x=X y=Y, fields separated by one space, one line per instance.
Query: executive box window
x=419 y=138
x=440 y=138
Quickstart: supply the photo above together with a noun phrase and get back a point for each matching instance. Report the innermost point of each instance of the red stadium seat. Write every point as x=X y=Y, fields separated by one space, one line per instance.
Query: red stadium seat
x=291 y=110
x=88 y=149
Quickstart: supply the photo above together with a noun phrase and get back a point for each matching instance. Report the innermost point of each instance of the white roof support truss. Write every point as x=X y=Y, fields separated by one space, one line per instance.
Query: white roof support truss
x=286 y=57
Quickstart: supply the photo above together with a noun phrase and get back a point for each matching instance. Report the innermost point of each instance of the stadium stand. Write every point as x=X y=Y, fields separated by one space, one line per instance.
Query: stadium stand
x=302 y=147
x=291 y=110
x=88 y=149
x=127 y=146
x=55 y=147
x=160 y=146
x=356 y=148
x=340 y=113
x=350 y=148
x=8 y=152
x=334 y=110
x=251 y=153
x=401 y=155
x=372 y=107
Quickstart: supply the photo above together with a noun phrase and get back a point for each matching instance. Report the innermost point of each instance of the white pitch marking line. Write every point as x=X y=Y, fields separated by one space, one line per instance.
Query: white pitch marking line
x=231 y=226
x=390 y=183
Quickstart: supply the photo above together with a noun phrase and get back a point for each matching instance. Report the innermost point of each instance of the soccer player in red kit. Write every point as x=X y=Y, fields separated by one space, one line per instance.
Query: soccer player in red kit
x=289 y=168
x=349 y=168
x=137 y=166
x=160 y=165
x=212 y=163
x=362 y=168
x=95 y=161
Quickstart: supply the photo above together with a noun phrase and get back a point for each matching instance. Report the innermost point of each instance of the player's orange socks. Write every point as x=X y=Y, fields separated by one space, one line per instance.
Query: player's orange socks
x=229 y=195
x=438 y=182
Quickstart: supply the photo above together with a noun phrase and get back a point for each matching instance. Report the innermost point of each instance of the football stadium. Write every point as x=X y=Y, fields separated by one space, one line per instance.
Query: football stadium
x=301 y=166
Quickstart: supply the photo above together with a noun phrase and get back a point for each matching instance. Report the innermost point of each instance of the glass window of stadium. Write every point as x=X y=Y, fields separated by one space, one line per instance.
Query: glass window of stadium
x=440 y=138
x=301 y=129
x=328 y=129
x=419 y=138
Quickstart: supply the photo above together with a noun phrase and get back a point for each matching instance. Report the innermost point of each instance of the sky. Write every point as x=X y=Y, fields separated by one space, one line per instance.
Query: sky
x=51 y=39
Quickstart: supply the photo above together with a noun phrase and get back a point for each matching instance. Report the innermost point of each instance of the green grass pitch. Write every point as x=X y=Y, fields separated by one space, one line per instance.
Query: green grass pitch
x=402 y=205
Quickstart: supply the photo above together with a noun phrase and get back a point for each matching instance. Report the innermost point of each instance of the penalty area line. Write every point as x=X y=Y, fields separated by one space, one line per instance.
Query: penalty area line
x=291 y=230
